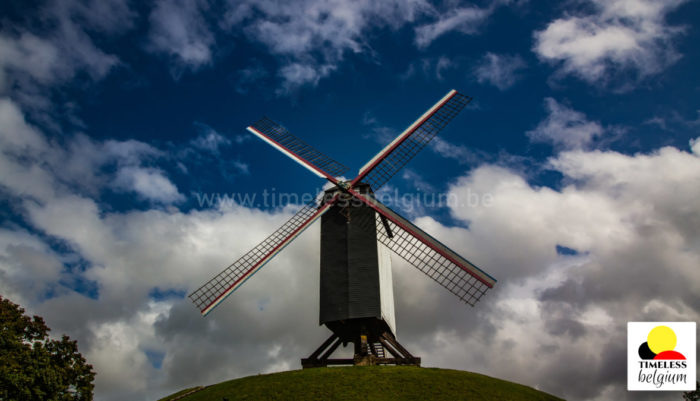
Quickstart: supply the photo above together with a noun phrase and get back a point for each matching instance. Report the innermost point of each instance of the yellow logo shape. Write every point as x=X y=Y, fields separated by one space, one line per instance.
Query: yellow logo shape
x=661 y=338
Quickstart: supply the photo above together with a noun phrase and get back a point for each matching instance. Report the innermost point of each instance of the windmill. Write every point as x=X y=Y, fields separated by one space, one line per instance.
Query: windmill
x=357 y=233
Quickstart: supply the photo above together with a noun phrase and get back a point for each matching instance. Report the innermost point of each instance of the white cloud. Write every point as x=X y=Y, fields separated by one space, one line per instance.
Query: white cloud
x=310 y=38
x=565 y=127
x=208 y=139
x=33 y=269
x=64 y=48
x=55 y=44
x=430 y=67
x=695 y=146
x=635 y=224
x=331 y=27
x=379 y=133
x=178 y=28
x=618 y=36
x=15 y=133
x=51 y=60
x=443 y=63
x=149 y=183
x=466 y=20
x=296 y=75
x=32 y=55
x=108 y=16
x=130 y=151
x=42 y=169
x=686 y=122
x=460 y=153
x=501 y=71
x=117 y=344
x=313 y=36
x=128 y=256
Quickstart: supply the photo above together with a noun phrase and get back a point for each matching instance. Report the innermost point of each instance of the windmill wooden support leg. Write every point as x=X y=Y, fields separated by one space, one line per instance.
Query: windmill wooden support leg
x=369 y=350
x=401 y=356
x=319 y=358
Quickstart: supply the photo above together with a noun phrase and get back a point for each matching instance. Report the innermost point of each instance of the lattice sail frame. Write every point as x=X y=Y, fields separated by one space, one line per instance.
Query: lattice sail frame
x=402 y=149
x=445 y=272
x=301 y=152
x=214 y=291
x=437 y=261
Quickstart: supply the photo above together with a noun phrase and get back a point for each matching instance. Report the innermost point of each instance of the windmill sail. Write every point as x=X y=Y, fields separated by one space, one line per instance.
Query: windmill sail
x=356 y=295
x=401 y=150
x=427 y=254
x=211 y=294
x=301 y=152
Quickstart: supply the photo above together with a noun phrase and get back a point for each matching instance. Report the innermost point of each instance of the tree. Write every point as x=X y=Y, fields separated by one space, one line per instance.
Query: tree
x=36 y=367
x=693 y=395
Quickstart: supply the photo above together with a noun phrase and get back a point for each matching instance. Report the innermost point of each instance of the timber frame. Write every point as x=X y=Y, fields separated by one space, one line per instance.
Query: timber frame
x=367 y=352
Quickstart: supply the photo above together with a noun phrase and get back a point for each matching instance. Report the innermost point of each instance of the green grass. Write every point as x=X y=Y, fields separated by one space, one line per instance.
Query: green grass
x=181 y=392
x=369 y=383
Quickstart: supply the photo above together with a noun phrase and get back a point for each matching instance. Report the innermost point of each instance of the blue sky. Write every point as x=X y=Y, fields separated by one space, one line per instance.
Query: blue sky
x=116 y=117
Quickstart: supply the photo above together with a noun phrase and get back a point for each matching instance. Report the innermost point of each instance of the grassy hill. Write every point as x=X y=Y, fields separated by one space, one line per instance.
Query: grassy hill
x=366 y=383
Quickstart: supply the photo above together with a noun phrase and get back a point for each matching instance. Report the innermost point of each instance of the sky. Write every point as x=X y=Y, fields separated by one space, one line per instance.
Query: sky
x=127 y=178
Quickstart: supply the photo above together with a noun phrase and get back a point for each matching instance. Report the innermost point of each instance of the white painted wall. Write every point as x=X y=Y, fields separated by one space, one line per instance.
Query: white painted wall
x=386 y=286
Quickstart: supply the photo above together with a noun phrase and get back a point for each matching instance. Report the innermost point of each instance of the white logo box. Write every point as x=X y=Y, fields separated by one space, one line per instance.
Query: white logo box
x=660 y=375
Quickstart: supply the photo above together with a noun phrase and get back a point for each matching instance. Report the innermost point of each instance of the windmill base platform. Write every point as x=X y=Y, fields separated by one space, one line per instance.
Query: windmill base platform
x=373 y=341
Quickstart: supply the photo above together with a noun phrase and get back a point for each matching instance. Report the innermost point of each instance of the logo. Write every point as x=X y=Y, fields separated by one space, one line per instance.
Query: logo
x=661 y=356
x=660 y=345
